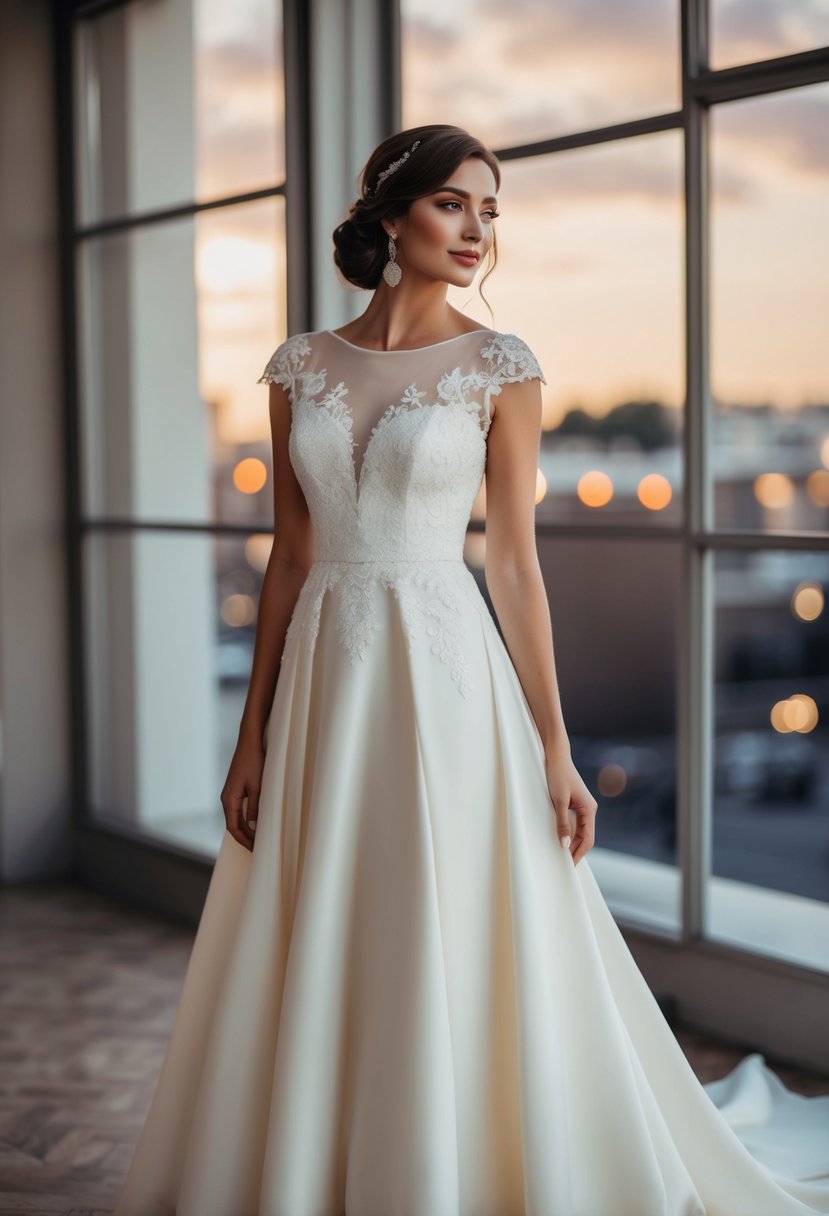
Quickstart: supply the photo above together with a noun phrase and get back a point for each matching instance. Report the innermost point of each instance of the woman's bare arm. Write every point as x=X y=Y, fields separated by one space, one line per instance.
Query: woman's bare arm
x=290 y=559
x=516 y=586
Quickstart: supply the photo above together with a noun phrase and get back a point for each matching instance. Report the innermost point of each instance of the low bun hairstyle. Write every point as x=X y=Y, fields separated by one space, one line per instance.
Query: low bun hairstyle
x=360 y=241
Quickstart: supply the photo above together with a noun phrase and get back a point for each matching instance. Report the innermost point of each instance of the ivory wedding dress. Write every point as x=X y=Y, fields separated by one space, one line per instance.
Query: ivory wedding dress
x=408 y=1000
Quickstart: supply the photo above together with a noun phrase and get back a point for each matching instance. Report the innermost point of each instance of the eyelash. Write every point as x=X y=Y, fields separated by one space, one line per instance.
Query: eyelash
x=454 y=202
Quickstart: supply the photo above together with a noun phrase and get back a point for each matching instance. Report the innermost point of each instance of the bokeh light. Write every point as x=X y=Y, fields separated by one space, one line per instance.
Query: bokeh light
x=817 y=487
x=807 y=601
x=595 y=489
x=654 y=492
x=611 y=780
x=773 y=490
x=250 y=475
x=238 y=610
x=258 y=550
x=797 y=713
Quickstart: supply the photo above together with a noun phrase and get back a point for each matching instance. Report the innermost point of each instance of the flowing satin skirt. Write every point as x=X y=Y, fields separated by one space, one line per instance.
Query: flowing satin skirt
x=408 y=1001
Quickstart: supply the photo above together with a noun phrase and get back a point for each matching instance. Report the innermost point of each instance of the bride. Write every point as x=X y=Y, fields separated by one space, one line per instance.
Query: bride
x=407 y=995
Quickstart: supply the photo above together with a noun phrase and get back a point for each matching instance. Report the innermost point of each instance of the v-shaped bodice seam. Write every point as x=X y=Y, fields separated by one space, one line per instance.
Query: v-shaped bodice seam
x=334 y=403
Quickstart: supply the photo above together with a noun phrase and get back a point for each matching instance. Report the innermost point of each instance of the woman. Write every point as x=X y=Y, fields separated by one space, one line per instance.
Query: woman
x=406 y=994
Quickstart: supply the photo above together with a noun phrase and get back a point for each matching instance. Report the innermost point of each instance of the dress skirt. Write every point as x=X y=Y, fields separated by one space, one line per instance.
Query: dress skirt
x=408 y=1000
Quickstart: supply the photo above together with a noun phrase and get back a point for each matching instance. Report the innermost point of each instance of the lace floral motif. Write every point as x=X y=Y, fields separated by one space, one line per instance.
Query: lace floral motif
x=286 y=362
x=509 y=361
x=334 y=402
x=431 y=600
x=401 y=523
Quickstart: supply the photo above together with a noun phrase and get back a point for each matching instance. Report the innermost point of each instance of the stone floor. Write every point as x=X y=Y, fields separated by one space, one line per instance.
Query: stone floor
x=88 y=993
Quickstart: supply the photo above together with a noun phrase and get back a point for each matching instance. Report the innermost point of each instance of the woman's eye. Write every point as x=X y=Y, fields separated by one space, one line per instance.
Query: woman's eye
x=452 y=202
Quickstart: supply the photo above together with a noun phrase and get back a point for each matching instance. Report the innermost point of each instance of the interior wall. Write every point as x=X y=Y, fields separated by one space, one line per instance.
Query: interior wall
x=34 y=750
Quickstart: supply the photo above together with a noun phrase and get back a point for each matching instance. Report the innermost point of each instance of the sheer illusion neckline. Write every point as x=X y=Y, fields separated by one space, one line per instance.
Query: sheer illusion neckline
x=407 y=350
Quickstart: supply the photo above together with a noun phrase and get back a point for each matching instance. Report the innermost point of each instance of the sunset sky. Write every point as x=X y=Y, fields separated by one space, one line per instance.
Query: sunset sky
x=590 y=240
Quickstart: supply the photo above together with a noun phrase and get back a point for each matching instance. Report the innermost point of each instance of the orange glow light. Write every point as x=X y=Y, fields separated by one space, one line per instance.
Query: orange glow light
x=798 y=713
x=807 y=601
x=250 y=475
x=773 y=490
x=654 y=492
x=595 y=489
x=258 y=550
x=817 y=487
x=611 y=780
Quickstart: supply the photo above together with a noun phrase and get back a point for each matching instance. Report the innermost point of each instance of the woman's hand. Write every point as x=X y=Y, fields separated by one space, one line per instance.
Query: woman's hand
x=240 y=796
x=574 y=805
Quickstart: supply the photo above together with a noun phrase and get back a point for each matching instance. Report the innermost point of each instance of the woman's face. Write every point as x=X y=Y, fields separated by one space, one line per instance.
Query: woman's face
x=454 y=220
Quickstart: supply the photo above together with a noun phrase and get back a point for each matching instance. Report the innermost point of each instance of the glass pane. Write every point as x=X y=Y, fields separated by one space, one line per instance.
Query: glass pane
x=613 y=606
x=589 y=272
x=177 y=101
x=743 y=33
x=178 y=321
x=771 y=786
x=170 y=625
x=770 y=305
x=551 y=69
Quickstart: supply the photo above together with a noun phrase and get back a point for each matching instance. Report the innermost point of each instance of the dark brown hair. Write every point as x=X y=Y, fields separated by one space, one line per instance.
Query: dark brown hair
x=360 y=241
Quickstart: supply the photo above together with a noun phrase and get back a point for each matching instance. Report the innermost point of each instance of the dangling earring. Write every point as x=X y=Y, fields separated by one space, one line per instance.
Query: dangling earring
x=391 y=271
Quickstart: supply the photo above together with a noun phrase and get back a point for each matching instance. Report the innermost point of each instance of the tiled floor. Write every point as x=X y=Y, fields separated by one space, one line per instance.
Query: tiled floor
x=87 y=999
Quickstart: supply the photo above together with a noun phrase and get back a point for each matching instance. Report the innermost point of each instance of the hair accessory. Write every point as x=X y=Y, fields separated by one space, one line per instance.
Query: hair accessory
x=391 y=271
x=395 y=164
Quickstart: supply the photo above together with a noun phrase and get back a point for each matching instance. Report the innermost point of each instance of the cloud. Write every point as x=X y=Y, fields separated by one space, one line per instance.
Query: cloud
x=786 y=130
x=529 y=70
x=532 y=69
x=751 y=29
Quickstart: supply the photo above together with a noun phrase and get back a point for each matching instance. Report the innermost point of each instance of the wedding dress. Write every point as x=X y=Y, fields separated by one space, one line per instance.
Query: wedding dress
x=408 y=1000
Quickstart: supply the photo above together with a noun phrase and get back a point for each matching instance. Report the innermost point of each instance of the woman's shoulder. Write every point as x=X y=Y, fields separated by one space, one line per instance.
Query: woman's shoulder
x=509 y=358
x=289 y=358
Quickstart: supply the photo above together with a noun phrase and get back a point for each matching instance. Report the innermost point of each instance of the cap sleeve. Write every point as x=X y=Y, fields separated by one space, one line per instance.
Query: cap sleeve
x=508 y=360
x=286 y=363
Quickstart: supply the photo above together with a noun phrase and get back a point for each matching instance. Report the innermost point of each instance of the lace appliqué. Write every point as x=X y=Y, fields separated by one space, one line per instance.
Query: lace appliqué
x=509 y=360
x=334 y=402
x=431 y=600
x=285 y=364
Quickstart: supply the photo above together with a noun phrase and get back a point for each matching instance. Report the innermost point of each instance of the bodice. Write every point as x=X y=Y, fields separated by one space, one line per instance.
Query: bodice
x=426 y=413
x=389 y=448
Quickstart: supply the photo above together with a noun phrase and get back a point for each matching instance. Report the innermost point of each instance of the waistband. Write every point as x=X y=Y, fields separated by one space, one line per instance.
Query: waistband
x=388 y=561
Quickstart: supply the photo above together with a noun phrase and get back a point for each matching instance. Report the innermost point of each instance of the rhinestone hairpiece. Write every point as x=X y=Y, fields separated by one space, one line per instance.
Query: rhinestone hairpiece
x=395 y=164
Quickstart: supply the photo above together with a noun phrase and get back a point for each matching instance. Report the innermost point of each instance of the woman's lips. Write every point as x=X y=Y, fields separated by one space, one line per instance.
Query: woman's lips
x=468 y=259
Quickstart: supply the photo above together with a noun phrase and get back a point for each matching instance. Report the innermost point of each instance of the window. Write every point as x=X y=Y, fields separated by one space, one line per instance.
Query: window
x=670 y=267
x=770 y=305
x=770 y=887
x=181 y=291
